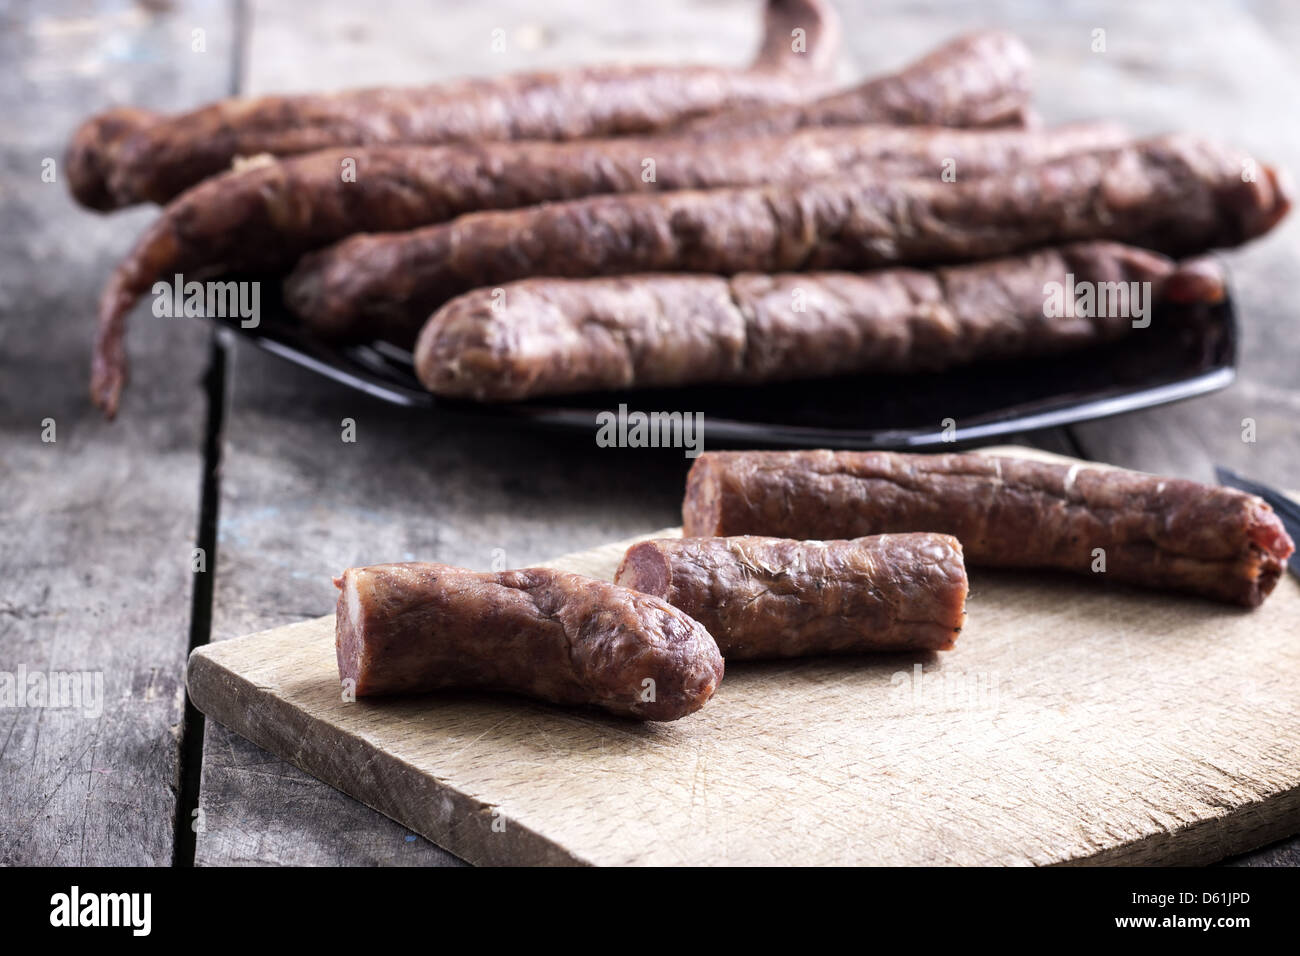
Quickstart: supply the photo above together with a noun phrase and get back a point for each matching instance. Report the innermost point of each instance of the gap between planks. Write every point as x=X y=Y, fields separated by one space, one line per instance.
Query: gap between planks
x=190 y=768
x=216 y=382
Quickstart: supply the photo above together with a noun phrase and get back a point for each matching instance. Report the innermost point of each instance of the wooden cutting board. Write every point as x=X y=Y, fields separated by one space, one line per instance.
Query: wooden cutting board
x=1074 y=722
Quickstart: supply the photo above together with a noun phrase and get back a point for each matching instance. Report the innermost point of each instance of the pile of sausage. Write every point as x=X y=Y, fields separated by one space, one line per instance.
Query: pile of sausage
x=788 y=554
x=619 y=226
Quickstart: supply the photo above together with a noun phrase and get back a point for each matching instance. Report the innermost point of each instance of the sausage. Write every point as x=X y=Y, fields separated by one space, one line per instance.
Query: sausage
x=774 y=597
x=554 y=336
x=979 y=79
x=88 y=161
x=161 y=158
x=552 y=635
x=1175 y=194
x=262 y=218
x=1007 y=512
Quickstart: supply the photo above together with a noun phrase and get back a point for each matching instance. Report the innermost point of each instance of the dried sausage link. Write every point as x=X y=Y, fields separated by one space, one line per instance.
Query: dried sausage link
x=1007 y=512
x=775 y=597
x=552 y=635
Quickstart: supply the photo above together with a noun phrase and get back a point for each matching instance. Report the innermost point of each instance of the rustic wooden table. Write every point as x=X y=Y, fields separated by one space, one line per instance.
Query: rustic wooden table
x=226 y=448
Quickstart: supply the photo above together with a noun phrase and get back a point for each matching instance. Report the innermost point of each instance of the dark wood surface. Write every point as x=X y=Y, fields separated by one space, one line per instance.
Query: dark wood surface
x=97 y=527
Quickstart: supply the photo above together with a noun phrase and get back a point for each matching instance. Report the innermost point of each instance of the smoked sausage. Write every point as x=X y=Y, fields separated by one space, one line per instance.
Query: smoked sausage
x=1007 y=512
x=775 y=597
x=118 y=159
x=551 y=336
x=978 y=79
x=1174 y=194
x=552 y=635
x=262 y=218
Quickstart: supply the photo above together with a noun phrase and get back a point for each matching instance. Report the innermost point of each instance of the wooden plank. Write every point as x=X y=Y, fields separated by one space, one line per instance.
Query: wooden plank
x=477 y=505
x=1073 y=723
x=96 y=527
x=1187 y=440
x=408 y=489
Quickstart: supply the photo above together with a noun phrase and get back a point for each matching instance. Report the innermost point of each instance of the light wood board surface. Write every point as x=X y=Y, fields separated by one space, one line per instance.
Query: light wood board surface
x=1074 y=722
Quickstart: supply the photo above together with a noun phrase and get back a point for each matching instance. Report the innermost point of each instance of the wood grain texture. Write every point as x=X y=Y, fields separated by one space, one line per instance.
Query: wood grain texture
x=96 y=527
x=1227 y=70
x=1073 y=723
x=410 y=487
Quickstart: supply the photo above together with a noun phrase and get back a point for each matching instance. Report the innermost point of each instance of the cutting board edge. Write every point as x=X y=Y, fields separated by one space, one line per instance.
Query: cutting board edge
x=210 y=683
x=222 y=695
x=1207 y=841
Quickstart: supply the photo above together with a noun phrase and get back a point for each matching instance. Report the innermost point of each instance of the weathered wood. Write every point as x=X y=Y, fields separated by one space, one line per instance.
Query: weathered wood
x=1229 y=71
x=96 y=527
x=1040 y=739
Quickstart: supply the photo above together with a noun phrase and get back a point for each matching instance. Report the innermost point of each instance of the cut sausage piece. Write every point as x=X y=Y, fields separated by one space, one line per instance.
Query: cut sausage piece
x=1007 y=512
x=263 y=217
x=161 y=158
x=979 y=79
x=1174 y=194
x=775 y=597
x=552 y=635
x=549 y=336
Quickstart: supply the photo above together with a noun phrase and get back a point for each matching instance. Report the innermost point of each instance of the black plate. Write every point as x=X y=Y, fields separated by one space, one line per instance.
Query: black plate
x=1187 y=351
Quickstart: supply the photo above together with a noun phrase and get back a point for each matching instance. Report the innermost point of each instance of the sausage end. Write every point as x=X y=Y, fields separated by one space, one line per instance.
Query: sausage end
x=90 y=155
x=349 y=633
x=702 y=504
x=1268 y=549
x=645 y=568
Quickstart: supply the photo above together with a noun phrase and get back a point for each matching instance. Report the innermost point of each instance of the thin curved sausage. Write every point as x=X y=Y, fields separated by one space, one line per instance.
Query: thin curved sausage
x=263 y=217
x=110 y=165
x=978 y=79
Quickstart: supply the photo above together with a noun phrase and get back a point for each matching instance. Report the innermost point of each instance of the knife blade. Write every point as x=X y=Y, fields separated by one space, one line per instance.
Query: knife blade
x=1285 y=506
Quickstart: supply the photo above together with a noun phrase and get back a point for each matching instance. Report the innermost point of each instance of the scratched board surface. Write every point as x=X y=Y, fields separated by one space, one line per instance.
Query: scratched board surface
x=1074 y=722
